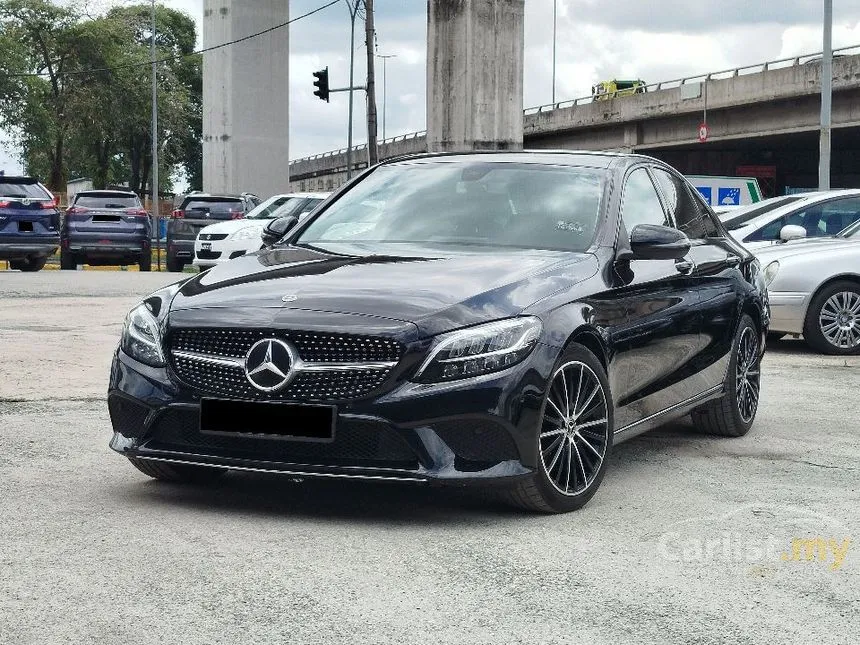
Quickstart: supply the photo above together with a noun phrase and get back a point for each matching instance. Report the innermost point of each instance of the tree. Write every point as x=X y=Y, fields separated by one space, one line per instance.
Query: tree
x=40 y=37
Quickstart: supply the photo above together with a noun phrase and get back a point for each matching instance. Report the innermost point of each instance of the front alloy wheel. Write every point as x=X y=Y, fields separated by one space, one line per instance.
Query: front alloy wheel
x=574 y=438
x=833 y=321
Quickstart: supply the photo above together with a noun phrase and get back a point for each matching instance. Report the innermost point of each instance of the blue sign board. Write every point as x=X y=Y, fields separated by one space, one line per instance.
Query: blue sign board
x=705 y=191
x=729 y=196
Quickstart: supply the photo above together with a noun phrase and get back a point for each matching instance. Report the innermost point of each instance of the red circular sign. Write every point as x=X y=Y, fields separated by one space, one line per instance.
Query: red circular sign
x=704 y=131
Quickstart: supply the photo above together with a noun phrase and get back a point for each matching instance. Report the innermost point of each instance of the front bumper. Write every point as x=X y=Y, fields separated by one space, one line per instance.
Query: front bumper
x=476 y=429
x=222 y=251
x=787 y=311
x=180 y=249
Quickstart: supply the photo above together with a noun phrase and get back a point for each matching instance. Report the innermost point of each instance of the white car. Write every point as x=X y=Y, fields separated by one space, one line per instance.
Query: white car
x=230 y=239
x=780 y=219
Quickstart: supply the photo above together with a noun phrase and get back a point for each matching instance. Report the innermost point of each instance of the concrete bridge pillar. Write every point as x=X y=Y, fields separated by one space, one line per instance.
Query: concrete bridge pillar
x=246 y=98
x=474 y=75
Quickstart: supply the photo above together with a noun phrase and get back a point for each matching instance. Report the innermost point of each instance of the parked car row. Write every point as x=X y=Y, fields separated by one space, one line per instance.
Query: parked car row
x=809 y=248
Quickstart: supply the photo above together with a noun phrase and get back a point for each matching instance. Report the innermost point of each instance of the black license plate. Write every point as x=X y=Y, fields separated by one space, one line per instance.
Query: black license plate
x=263 y=419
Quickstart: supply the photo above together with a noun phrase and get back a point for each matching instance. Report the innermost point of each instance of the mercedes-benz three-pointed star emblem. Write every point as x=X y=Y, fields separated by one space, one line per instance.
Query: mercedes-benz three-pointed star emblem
x=269 y=363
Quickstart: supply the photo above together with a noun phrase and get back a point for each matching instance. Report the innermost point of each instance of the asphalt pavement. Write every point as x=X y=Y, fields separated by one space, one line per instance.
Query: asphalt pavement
x=691 y=539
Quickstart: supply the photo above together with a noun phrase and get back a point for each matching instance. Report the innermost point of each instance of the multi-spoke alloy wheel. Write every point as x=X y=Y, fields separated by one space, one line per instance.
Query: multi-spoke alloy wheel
x=748 y=375
x=832 y=322
x=839 y=319
x=575 y=430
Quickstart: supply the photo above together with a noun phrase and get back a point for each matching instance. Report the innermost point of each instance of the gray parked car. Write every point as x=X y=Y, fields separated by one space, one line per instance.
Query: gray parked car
x=197 y=211
x=814 y=290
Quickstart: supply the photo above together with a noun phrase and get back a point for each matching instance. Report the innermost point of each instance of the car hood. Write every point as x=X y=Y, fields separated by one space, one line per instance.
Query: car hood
x=233 y=225
x=436 y=291
x=804 y=247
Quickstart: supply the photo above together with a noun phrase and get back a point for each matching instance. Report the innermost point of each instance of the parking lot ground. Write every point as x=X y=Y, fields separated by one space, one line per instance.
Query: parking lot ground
x=691 y=539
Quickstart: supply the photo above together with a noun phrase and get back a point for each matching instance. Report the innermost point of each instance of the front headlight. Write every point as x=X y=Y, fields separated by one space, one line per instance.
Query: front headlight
x=480 y=350
x=770 y=272
x=141 y=337
x=247 y=233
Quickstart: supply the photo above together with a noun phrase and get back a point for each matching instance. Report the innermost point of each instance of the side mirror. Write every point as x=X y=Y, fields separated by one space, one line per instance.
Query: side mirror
x=277 y=228
x=655 y=242
x=792 y=232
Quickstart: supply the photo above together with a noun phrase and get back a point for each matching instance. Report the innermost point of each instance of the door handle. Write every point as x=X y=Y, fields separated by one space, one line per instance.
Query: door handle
x=685 y=266
x=732 y=260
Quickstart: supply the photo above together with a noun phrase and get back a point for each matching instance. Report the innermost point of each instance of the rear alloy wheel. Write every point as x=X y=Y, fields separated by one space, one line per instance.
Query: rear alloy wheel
x=732 y=415
x=832 y=323
x=68 y=262
x=575 y=437
x=177 y=473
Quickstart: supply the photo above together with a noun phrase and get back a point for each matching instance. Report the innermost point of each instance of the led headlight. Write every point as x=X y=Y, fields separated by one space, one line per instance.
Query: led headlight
x=770 y=272
x=141 y=337
x=480 y=350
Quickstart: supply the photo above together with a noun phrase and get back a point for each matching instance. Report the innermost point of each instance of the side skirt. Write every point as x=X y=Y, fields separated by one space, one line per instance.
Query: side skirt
x=673 y=412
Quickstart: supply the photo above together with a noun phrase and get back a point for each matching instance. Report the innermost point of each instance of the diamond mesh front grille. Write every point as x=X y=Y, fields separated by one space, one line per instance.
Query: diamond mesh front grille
x=230 y=381
x=313 y=347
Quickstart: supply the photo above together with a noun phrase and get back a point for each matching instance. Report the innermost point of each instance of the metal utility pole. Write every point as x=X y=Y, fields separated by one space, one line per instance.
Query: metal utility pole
x=155 y=203
x=370 y=38
x=353 y=10
x=554 y=25
x=826 y=98
x=384 y=58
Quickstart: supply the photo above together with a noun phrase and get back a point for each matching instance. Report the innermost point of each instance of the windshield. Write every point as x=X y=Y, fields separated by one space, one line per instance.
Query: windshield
x=217 y=208
x=106 y=200
x=480 y=204
x=22 y=190
x=737 y=217
x=268 y=208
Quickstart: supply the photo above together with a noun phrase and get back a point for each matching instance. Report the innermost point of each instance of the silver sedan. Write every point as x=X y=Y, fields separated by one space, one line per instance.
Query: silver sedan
x=814 y=290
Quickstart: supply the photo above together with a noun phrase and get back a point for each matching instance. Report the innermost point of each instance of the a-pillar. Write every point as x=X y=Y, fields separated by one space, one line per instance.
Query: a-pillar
x=246 y=98
x=475 y=75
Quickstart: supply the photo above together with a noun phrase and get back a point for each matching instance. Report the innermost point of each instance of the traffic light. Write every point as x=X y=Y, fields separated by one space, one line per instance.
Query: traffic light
x=321 y=84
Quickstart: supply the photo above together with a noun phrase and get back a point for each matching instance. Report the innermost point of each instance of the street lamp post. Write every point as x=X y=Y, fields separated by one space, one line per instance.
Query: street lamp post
x=155 y=208
x=826 y=98
x=554 y=24
x=384 y=58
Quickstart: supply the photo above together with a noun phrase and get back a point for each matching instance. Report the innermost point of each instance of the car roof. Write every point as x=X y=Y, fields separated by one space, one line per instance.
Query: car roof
x=810 y=199
x=586 y=158
x=205 y=196
x=130 y=193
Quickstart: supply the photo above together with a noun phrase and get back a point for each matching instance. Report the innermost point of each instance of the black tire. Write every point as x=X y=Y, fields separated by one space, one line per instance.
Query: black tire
x=68 y=262
x=541 y=492
x=812 y=326
x=145 y=262
x=34 y=264
x=17 y=265
x=177 y=473
x=775 y=336
x=174 y=265
x=723 y=416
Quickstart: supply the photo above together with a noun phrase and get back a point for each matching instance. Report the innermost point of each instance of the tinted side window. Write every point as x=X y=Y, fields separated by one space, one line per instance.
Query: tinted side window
x=690 y=216
x=641 y=203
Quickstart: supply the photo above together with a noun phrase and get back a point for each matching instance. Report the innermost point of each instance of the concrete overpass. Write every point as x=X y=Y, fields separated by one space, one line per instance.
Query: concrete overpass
x=763 y=121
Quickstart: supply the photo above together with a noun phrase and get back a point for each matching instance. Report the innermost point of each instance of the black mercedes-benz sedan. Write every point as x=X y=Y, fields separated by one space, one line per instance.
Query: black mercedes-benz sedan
x=498 y=318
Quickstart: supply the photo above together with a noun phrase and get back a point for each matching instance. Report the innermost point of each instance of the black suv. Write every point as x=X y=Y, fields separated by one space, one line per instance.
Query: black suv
x=29 y=220
x=106 y=227
x=197 y=211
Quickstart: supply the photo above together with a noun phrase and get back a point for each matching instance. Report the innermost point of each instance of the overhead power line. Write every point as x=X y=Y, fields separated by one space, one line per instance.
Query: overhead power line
x=166 y=59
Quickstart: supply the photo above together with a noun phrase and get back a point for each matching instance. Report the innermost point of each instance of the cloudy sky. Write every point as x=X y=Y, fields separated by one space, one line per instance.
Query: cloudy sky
x=597 y=39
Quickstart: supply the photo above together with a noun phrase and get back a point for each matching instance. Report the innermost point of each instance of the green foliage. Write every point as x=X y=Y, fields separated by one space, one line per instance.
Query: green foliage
x=73 y=121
